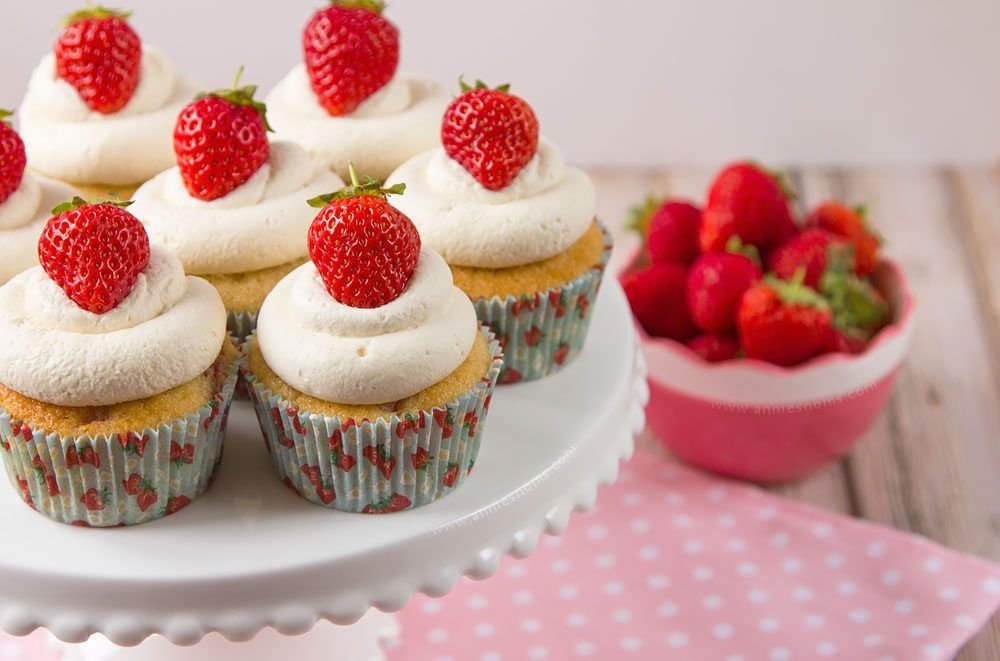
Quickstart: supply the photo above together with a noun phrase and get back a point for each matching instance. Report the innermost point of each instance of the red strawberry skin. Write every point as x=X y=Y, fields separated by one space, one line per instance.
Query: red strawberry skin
x=672 y=234
x=809 y=250
x=780 y=333
x=219 y=146
x=12 y=159
x=714 y=347
x=491 y=133
x=849 y=223
x=715 y=284
x=364 y=249
x=657 y=295
x=94 y=252
x=747 y=202
x=350 y=53
x=100 y=56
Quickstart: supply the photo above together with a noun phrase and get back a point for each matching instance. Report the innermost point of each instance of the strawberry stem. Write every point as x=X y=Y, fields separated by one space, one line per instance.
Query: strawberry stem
x=359 y=186
x=4 y=114
x=239 y=96
x=480 y=85
x=376 y=6
x=113 y=199
x=639 y=214
x=97 y=12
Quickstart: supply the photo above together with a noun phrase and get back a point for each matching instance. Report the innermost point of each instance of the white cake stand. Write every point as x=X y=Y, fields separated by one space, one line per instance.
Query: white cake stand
x=249 y=554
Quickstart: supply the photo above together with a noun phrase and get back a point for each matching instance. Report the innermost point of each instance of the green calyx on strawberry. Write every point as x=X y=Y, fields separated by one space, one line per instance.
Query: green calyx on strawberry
x=639 y=214
x=359 y=186
x=795 y=293
x=77 y=202
x=97 y=12
x=736 y=246
x=376 y=6
x=239 y=96
x=480 y=85
x=856 y=305
x=4 y=115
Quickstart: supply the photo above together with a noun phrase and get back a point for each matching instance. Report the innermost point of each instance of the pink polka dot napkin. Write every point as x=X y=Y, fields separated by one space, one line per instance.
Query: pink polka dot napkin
x=674 y=564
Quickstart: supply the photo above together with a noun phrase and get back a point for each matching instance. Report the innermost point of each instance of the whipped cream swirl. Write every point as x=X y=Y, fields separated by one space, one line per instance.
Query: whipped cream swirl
x=22 y=218
x=261 y=224
x=543 y=212
x=167 y=331
x=399 y=121
x=367 y=356
x=67 y=140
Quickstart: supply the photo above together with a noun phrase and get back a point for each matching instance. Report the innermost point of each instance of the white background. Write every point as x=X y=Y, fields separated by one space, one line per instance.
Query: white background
x=640 y=82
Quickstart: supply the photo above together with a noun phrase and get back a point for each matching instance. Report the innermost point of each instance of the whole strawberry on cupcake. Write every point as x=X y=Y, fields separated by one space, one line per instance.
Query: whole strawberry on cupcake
x=517 y=226
x=116 y=373
x=369 y=372
x=702 y=279
x=25 y=200
x=234 y=207
x=346 y=101
x=100 y=107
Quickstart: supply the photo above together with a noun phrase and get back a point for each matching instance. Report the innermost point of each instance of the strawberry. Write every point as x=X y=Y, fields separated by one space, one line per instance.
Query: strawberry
x=312 y=474
x=293 y=415
x=524 y=304
x=562 y=352
x=747 y=202
x=379 y=457
x=670 y=227
x=851 y=224
x=181 y=454
x=99 y=54
x=220 y=140
x=510 y=375
x=450 y=475
x=364 y=248
x=351 y=52
x=52 y=484
x=657 y=296
x=715 y=285
x=95 y=500
x=338 y=457
x=783 y=323
x=25 y=492
x=133 y=485
x=446 y=421
x=175 y=504
x=582 y=305
x=94 y=251
x=146 y=497
x=556 y=302
x=533 y=336
x=326 y=492
x=21 y=428
x=72 y=457
x=470 y=422
x=714 y=347
x=420 y=459
x=89 y=456
x=407 y=423
x=12 y=157
x=393 y=503
x=859 y=310
x=810 y=249
x=847 y=341
x=491 y=133
x=282 y=434
x=132 y=443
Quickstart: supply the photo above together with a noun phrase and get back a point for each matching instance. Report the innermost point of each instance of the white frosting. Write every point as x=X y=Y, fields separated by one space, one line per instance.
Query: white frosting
x=367 y=356
x=22 y=218
x=543 y=212
x=167 y=331
x=261 y=224
x=67 y=140
x=399 y=121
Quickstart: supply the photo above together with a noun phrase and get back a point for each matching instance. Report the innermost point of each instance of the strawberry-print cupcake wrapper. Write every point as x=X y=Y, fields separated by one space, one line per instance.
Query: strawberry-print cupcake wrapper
x=381 y=466
x=123 y=479
x=241 y=324
x=543 y=333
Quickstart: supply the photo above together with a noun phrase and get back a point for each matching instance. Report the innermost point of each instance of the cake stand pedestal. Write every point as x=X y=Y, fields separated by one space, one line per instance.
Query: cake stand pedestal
x=250 y=555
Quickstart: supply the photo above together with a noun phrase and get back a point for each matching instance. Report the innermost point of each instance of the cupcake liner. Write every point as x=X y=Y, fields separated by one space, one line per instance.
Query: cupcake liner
x=375 y=467
x=542 y=333
x=241 y=323
x=120 y=479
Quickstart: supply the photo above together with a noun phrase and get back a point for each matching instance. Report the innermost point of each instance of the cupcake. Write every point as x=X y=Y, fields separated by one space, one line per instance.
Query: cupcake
x=516 y=225
x=100 y=108
x=25 y=200
x=369 y=373
x=116 y=374
x=346 y=101
x=234 y=209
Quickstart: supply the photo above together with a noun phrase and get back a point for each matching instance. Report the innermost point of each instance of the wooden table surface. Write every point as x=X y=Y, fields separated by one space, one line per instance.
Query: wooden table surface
x=931 y=463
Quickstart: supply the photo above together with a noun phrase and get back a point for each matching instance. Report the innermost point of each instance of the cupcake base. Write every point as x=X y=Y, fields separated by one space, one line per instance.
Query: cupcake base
x=101 y=191
x=397 y=461
x=244 y=293
x=122 y=478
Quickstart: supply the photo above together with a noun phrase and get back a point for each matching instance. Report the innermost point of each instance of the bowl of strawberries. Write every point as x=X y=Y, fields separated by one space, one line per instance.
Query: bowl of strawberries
x=772 y=343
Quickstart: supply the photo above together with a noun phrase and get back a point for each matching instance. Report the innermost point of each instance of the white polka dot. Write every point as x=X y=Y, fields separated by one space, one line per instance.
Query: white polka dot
x=949 y=593
x=626 y=475
x=872 y=640
x=437 y=635
x=723 y=631
x=822 y=529
x=965 y=621
x=11 y=651
x=597 y=532
x=560 y=566
x=992 y=585
x=693 y=546
x=891 y=577
x=737 y=545
x=538 y=652
x=769 y=624
x=621 y=615
x=847 y=588
x=674 y=498
x=834 y=560
x=780 y=654
x=703 y=573
x=649 y=553
x=631 y=643
x=530 y=625
x=747 y=569
x=523 y=597
x=934 y=565
x=641 y=526
x=431 y=607
x=886 y=657
x=516 y=570
x=605 y=560
x=904 y=606
x=490 y=656
x=552 y=542
x=726 y=520
x=780 y=539
x=677 y=639
x=569 y=592
x=826 y=648
x=632 y=499
x=713 y=602
x=667 y=609
x=683 y=521
x=757 y=596
x=584 y=648
x=477 y=602
x=877 y=548
x=859 y=616
x=613 y=588
x=768 y=513
x=932 y=650
x=483 y=630
x=576 y=620
x=715 y=494
x=735 y=657
x=815 y=621
x=802 y=593
x=917 y=631
x=658 y=581
x=791 y=565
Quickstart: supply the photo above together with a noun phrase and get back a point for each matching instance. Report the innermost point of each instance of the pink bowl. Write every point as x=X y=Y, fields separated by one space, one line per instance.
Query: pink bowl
x=762 y=422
